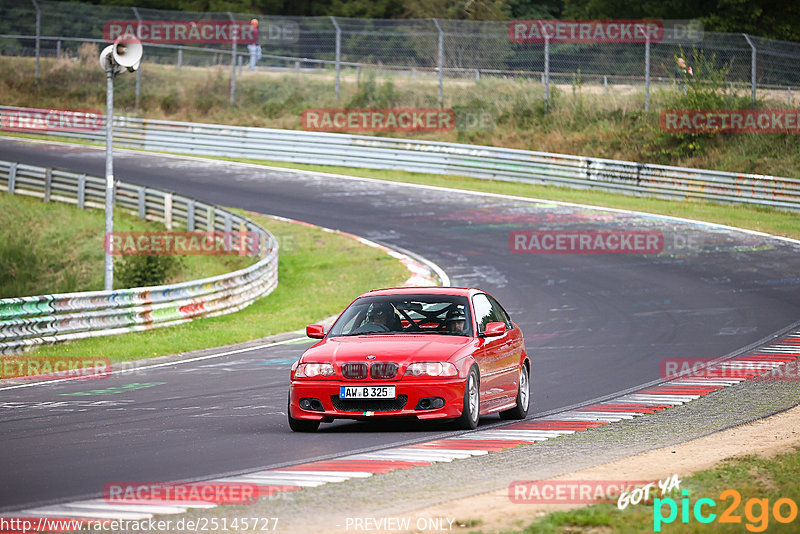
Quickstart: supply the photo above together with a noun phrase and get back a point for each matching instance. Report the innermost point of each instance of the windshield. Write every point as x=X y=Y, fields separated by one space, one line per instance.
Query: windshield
x=405 y=314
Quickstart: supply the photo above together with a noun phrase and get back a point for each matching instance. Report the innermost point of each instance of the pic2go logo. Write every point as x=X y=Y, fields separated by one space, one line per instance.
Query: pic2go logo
x=756 y=511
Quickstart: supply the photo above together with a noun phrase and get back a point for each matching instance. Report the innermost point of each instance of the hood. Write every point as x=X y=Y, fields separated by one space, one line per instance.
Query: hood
x=396 y=348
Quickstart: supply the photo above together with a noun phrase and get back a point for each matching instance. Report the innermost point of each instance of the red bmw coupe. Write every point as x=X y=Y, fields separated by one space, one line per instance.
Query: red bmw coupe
x=419 y=352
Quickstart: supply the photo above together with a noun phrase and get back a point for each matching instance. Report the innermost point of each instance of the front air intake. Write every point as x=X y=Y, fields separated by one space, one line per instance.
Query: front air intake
x=354 y=370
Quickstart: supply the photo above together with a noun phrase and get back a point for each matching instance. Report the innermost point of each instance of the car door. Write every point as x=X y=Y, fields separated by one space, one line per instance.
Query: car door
x=510 y=353
x=491 y=353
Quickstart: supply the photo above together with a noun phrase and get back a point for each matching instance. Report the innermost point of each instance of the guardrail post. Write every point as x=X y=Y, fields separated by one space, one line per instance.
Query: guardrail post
x=168 y=210
x=139 y=69
x=142 y=202
x=81 y=191
x=233 y=58
x=210 y=219
x=440 y=61
x=12 y=177
x=753 y=65
x=58 y=49
x=48 y=179
x=190 y=215
x=38 y=33
x=338 y=54
x=180 y=58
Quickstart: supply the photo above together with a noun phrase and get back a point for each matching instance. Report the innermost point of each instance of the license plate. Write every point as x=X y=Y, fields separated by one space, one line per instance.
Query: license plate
x=367 y=392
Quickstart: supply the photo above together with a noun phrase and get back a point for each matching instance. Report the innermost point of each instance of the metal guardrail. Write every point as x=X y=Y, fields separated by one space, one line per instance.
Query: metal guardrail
x=29 y=321
x=434 y=157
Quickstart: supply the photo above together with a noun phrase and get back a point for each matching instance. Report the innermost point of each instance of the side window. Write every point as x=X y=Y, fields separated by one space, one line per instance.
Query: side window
x=484 y=312
x=500 y=313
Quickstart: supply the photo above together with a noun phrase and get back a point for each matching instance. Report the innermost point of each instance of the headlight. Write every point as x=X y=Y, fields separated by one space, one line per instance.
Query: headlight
x=310 y=370
x=431 y=369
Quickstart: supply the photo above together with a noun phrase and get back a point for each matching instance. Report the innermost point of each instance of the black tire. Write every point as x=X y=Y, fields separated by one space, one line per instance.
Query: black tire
x=520 y=411
x=472 y=402
x=301 y=425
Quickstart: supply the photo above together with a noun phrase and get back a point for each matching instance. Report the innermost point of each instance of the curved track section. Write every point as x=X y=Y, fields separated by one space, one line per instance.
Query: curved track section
x=595 y=324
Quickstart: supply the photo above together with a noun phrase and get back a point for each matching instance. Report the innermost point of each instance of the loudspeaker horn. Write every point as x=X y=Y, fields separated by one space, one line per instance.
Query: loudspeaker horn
x=127 y=52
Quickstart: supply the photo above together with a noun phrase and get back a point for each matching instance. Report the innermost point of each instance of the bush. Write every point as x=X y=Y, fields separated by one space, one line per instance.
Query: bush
x=141 y=271
x=705 y=89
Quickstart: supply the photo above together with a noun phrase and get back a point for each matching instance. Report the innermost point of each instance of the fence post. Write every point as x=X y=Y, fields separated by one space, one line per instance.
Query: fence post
x=338 y=54
x=81 y=191
x=142 y=202
x=441 y=60
x=233 y=59
x=647 y=72
x=210 y=219
x=190 y=215
x=38 y=33
x=48 y=180
x=12 y=177
x=168 y=210
x=180 y=58
x=546 y=72
x=138 y=70
x=753 y=65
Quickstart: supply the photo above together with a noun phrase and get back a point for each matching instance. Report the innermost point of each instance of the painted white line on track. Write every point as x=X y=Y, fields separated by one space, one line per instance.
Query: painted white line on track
x=164 y=364
x=335 y=474
x=471 y=452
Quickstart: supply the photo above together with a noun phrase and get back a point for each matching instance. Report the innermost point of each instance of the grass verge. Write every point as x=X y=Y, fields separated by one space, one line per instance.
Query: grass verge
x=57 y=248
x=760 y=483
x=319 y=273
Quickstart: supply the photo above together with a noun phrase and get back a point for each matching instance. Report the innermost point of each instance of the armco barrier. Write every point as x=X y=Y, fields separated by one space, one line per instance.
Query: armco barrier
x=29 y=321
x=451 y=158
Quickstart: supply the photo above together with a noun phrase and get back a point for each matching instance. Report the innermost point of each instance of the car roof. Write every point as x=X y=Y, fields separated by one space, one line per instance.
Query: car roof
x=424 y=290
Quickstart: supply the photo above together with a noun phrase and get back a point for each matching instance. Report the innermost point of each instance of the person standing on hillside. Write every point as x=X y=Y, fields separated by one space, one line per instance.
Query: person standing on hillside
x=254 y=48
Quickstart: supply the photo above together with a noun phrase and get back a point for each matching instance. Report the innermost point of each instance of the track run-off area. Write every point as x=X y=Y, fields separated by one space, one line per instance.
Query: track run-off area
x=595 y=325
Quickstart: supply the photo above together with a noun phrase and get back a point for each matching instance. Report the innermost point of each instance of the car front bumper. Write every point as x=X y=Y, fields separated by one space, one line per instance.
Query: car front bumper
x=451 y=390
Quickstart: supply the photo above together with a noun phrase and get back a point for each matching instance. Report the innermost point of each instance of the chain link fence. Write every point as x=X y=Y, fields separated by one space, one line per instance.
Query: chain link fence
x=444 y=63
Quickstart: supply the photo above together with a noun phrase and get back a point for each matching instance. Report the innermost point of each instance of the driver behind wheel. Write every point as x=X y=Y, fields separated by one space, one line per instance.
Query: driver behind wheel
x=456 y=321
x=382 y=314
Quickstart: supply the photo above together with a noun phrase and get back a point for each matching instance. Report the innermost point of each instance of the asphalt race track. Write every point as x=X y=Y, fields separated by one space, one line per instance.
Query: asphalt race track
x=595 y=324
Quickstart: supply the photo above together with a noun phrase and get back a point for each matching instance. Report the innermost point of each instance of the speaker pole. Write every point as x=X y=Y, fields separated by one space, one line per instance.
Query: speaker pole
x=108 y=277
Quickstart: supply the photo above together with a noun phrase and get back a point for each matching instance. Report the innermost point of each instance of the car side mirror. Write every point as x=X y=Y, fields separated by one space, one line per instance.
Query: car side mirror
x=494 y=329
x=316 y=331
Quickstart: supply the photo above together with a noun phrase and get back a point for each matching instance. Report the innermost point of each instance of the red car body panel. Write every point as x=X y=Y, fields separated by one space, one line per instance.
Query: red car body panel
x=499 y=360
